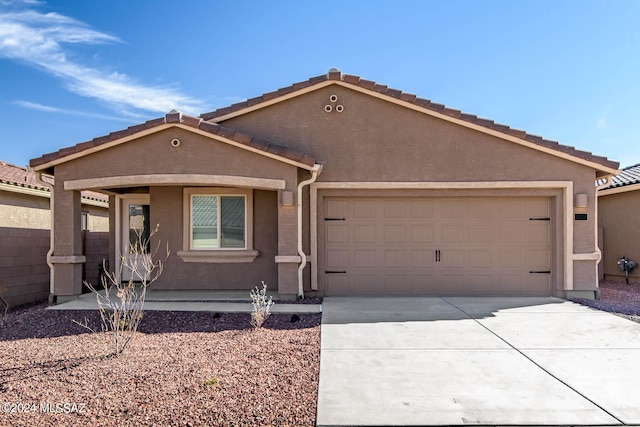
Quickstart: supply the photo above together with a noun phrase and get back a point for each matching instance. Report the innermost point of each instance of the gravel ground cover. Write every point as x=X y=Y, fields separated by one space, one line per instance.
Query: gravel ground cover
x=618 y=298
x=182 y=369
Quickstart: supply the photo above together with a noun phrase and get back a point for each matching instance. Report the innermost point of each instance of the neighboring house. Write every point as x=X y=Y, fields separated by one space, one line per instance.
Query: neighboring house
x=619 y=220
x=339 y=186
x=25 y=222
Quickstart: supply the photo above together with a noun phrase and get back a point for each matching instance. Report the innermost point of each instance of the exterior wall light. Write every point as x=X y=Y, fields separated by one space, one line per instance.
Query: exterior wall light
x=287 y=198
x=581 y=200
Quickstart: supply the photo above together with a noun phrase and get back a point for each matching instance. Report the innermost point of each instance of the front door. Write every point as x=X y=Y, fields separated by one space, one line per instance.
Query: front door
x=134 y=236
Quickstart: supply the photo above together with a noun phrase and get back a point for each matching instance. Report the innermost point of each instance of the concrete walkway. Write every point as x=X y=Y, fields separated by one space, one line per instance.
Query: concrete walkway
x=482 y=361
x=213 y=301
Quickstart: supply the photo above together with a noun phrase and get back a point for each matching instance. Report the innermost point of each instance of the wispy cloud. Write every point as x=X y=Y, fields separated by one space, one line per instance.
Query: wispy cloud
x=42 y=40
x=50 y=109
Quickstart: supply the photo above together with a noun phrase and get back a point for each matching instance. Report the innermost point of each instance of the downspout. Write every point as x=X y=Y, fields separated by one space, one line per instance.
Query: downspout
x=303 y=257
x=51 y=233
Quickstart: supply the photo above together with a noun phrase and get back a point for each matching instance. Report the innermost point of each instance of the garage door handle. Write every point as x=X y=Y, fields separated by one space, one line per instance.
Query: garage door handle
x=335 y=219
x=540 y=272
x=437 y=255
x=334 y=272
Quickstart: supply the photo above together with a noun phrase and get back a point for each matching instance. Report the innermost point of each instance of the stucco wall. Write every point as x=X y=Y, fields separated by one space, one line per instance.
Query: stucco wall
x=619 y=216
x=25 y=221
x=197 y=154
x=374 y=140
x=166 y=210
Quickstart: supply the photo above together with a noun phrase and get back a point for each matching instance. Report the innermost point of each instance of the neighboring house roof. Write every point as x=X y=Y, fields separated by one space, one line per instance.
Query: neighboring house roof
x=627 y=180
x=20 y=178
x=177 y=118
x=207 y=123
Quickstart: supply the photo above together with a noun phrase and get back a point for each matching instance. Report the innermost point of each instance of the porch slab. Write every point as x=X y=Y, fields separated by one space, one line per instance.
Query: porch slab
x=213 y=301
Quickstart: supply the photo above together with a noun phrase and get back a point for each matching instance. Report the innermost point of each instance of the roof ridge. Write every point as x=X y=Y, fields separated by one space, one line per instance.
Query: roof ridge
x=177 y=117
x=337 y=75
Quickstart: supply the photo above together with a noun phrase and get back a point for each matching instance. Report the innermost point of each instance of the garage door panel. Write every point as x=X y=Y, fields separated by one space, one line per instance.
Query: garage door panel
x=538 y=232
x=452 y=233
x=337 y=233
x=479 y=233
x=480 y=259
x=395 y=234
x=338 y=258
x=364 y=233
x=365 y=258
x=452 y=258
x=422 y=233
x=395 y=258
x=423 y=258
x=471 y=246
x=365 y=209
x=422 y=208
x=396 y=208
x=453 y=208
x=337 y=208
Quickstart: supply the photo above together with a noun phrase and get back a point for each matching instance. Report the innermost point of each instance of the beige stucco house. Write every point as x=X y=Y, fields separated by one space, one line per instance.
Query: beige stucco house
x=25 y=222
x=619 y=219
x=337 y=186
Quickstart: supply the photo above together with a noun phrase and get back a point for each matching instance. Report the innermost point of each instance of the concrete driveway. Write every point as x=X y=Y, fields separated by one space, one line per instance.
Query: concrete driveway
x=487 y=361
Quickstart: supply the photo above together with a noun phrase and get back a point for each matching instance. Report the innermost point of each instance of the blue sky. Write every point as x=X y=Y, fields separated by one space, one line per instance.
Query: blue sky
x=73 y=70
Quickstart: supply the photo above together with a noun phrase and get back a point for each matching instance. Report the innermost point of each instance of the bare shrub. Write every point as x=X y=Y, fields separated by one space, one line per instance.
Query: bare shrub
x=261 y=306
x=121 y=303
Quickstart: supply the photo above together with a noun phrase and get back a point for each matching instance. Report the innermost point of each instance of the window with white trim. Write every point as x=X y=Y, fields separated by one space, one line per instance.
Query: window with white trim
x=218 y=222
x=218 y=225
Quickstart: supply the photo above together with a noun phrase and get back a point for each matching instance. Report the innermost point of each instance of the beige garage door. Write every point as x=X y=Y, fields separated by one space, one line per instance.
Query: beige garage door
x=469 y=246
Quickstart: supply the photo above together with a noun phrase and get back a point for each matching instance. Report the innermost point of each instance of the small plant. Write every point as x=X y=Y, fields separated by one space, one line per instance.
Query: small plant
x=261 y=306
x=121 y=303
x=211 y=383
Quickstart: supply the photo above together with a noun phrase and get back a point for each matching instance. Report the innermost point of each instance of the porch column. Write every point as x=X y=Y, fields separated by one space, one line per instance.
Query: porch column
x=288 y=258
x=67 y=257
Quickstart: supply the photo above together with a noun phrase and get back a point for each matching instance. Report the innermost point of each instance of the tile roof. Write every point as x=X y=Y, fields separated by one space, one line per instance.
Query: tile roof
x=629 y=176
x=336 y=75
x=206 y=123
x=176 y=117
x=20 y=177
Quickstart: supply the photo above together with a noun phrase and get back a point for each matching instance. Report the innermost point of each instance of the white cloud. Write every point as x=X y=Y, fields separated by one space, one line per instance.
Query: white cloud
x=40 y=39
x=50 y=109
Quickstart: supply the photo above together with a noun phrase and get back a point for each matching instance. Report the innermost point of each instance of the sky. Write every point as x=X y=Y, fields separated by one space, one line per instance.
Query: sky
x=567 y=70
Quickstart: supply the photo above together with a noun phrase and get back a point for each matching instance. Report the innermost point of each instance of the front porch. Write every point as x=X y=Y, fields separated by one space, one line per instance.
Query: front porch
x=197 y=300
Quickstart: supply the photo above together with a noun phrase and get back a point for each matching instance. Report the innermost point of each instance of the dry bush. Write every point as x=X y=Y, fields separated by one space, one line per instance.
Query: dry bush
x=261 y=306
x=121 y=303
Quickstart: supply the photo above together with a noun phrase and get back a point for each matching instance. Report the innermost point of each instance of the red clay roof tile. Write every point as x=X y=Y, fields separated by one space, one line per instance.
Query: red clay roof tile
x=175 y=117
x=20 y=177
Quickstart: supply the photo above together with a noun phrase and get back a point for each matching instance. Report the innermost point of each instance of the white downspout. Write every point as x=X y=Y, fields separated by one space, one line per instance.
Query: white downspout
x=51 y=233
x=303 y=257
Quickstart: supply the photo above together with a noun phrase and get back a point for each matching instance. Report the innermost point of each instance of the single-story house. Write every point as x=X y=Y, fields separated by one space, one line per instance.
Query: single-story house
x=25 y=238
x=619 y=219
x=339 y=186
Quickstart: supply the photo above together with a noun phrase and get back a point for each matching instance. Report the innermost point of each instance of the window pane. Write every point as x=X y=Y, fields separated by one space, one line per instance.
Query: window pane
x=232 y=222
x=139 y=230
x=204 y=221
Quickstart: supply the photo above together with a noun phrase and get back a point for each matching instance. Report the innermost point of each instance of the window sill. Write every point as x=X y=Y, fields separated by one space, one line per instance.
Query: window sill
x=219 y=257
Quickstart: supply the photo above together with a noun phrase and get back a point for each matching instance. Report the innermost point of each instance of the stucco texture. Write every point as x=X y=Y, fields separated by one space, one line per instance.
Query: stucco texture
x=619 y=217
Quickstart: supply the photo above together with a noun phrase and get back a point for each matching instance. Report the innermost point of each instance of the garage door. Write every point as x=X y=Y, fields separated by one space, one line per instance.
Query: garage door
x=469 y=246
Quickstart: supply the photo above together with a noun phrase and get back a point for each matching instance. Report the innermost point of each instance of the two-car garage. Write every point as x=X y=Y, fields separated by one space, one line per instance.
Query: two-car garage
x=436 y=245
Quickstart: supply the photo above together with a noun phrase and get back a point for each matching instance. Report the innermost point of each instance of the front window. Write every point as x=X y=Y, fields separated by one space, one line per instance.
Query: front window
x=218 y=221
